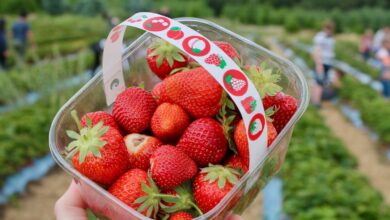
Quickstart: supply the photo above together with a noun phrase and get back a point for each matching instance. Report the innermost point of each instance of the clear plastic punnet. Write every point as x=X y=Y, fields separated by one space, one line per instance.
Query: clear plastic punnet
x=92 y=97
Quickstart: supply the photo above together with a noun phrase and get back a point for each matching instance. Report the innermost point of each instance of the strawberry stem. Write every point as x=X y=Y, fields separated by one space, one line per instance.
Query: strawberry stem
x=76 y=119
x=196 y=208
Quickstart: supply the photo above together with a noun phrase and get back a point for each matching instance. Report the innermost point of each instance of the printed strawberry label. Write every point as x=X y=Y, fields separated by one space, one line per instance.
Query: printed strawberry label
x=249 y=104
x=156 y=24
x=175 y=33
x=207 y=54
x=256 y=126
x=196 y=45
x=216 y=60
x=235 y=82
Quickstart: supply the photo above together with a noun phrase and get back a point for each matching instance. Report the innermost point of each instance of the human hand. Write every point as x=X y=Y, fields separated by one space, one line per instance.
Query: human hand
x=71 y=205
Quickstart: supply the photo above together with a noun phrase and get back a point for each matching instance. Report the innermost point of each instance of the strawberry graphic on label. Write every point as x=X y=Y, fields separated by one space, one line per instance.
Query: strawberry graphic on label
x=216 y=60
x=114 y=37
x=249 y=104
x=235 y=82
x=156 y=24
x=136 y=19
x=196 y=45
x=175 y=33
x=256 y=126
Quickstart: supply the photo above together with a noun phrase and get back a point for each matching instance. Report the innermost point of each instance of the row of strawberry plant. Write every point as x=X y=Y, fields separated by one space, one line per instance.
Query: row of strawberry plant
x=321 y=180
x=372 y=105
x=24 y=133
x=16 y=83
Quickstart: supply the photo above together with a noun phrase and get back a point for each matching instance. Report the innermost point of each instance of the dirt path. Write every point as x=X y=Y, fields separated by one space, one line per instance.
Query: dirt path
x=38 y=202
x=362 y=147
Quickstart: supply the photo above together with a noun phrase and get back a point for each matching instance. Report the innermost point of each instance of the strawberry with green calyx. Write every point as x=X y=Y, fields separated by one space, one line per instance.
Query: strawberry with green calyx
x=285 y=107
x=98 y=152
x=164 y=57
x=137 y=190
x=212 y=184
x=265 y=80
x=183 y=200
x=226 y=116
x=216 y=60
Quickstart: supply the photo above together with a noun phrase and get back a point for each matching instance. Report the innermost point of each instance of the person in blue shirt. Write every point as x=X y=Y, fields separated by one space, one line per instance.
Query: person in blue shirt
x=3 y=44
x=21 y=34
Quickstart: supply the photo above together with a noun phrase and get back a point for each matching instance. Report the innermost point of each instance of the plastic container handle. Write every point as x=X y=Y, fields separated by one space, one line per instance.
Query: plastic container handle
x=229 y=76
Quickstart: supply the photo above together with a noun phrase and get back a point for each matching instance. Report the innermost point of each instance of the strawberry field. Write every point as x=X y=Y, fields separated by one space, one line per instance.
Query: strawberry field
x=322 y=175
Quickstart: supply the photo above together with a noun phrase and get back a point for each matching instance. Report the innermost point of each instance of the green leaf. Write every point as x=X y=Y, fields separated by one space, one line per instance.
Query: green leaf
x=230 y=104
x=72 y=134
x=178 y=57
x=230 y=119
x=149 y=212
x=141 y=199
x=221 y=182
x=159 y=60
x=89 y=122
x=143 y=207
x=170 y=60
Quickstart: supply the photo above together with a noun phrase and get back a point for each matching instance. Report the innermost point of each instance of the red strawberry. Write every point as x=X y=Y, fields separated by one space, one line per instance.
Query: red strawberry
x=159 y=94
x=137 y=190
x=169 y=122
x=141 y=148
x=175 y=33
x=181 y=216
x=96 y=117
x=196 y=91
x=249 y=104
x=241 y=140
x=133 y=109
x=212 y=184
x=164 y=57
x=236 y=162
x=171 y=167
x=286 y=107
x=228 y=49
x=204 y=141
x=98 y=152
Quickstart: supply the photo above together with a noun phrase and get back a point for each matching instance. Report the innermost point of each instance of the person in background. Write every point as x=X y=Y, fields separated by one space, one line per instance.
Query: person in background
x=378 y=38
x=3 y=44
x=323 y=55
x=383 y=55
x=366 y=44
x=21 y=35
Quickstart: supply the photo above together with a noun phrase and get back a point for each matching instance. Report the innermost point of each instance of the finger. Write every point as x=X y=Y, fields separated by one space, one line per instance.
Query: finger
x=71 y=205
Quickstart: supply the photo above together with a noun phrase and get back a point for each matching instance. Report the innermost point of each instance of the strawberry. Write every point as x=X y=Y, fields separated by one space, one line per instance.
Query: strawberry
x=159 y=94
x=171 y=167
x=138 y=191
x=97 y=152
x=133 y=109
x=285 y=106
x=196 y=91
x=141 y=148
x=96 y=117
x=181 y=216
x=164 y=57
x=169 y=122
x=241 y=140
x=235 y=161
x=228 y=49
x=212 y=184
x=204 y=141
